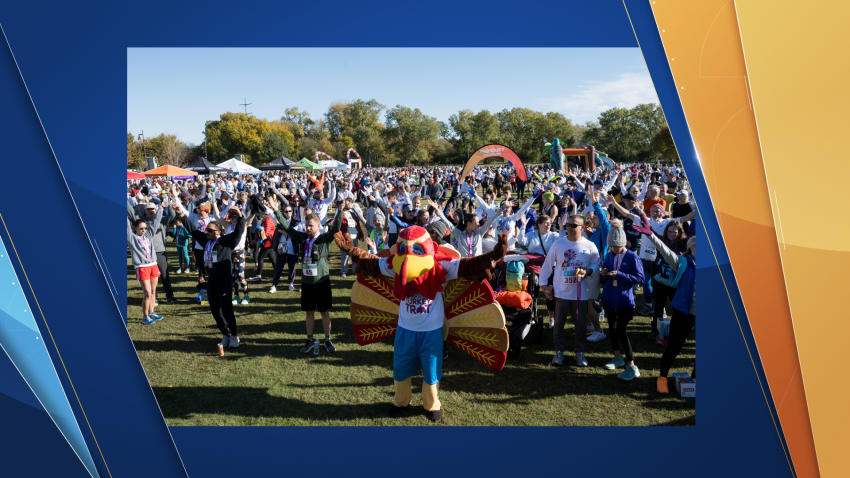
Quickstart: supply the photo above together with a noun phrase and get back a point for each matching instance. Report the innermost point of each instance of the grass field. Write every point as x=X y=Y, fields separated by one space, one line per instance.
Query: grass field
x=267 y=382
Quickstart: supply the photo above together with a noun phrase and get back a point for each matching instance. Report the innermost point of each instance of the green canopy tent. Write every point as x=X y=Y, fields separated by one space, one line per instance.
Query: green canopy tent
x=309 y=165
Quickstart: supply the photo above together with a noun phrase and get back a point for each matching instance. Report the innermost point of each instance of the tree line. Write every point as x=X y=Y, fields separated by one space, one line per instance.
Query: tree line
x=405 y=136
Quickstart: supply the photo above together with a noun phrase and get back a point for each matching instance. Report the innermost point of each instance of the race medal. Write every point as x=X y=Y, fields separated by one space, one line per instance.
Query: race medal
x=310 y=270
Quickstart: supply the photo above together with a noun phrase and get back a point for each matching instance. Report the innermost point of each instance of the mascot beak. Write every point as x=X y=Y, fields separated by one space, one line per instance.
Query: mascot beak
x=410 y=266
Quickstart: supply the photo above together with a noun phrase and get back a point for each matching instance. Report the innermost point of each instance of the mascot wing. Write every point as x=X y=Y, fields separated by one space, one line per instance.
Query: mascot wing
x=475 y=322
x=374 y=309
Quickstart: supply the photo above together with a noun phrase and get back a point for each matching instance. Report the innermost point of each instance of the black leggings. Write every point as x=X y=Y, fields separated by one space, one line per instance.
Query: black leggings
x=199 y=261
x=618 y=320
x=660 y=294
x=260 y=259
x=220 y=296
x=165 y=278
x=680 y=328
x=283 y=259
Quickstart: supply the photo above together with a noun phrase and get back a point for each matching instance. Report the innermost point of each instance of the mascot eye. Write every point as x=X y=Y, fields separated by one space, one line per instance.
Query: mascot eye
x=418 y=250
x=402 y=249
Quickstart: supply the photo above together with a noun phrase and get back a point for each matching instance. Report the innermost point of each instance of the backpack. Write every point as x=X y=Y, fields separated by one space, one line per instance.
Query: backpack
x=513 y=278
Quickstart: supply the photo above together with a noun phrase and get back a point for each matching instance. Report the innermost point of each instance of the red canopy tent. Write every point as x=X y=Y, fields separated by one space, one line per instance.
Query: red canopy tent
x=169 y=171
x=132 y=175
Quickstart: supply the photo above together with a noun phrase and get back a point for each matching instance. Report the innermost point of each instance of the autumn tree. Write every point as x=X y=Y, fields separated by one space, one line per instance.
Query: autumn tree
x=238 y=133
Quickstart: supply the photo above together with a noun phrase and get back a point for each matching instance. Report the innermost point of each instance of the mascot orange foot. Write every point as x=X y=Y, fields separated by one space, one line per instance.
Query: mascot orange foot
x=425 y=295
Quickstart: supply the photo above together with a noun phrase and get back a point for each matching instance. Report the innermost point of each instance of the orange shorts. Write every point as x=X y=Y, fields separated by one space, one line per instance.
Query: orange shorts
x=147 y=273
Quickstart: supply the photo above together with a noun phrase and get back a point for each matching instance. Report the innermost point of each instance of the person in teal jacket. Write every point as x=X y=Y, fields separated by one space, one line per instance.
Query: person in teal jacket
x=684 y=302
x=182 y=238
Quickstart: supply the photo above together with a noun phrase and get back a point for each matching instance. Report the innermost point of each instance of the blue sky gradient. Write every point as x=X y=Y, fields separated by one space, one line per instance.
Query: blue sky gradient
x=175 y=90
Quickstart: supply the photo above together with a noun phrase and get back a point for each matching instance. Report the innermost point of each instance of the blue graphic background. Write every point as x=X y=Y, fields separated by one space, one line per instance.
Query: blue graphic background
x=73 y=59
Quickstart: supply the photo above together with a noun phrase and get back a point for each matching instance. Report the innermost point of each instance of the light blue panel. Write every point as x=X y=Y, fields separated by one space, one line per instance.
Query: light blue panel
x=22 y=341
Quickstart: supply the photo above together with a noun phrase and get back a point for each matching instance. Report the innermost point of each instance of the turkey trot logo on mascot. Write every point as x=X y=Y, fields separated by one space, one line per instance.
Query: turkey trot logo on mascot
x=415 y=260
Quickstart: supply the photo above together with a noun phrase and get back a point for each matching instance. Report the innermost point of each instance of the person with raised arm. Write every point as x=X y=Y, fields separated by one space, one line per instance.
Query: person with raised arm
x=684 y=302
x=216 y=257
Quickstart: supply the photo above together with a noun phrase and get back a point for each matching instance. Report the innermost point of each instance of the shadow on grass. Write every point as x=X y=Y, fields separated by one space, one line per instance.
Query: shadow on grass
x=183 y=402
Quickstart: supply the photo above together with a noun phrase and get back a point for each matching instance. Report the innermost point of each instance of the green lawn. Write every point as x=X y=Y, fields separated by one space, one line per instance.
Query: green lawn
x=266 y=381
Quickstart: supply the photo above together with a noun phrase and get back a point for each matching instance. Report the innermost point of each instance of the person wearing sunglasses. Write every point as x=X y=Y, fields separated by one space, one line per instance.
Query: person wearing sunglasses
x=160 y=239
x=140 y=240
x=238 y=260
x=575 y=258
x=282 y=243
x=216 y=254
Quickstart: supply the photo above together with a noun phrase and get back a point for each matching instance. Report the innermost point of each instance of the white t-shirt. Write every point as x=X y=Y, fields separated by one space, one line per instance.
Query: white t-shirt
x=241 y=244
x=417 y=313
x=562 y=260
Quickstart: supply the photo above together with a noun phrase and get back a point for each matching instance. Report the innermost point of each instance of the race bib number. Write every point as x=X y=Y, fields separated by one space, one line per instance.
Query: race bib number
x=310 y=270
x=647 y=251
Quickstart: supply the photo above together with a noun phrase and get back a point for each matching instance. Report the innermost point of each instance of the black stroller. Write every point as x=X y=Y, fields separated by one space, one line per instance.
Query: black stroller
x=519 y=321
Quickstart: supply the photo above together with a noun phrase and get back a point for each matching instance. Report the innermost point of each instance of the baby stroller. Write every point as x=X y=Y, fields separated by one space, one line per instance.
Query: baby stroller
x=518 y=320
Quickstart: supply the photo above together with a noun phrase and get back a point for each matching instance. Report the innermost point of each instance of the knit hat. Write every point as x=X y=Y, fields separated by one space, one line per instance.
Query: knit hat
x=438 y=227
x=659 y=206
x=380 y=215
x=616 y=236
x=549 y=196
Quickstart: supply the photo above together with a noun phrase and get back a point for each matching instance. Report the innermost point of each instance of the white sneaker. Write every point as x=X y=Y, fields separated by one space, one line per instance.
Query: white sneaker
x=273 y=290
x=235 y=300
x=343 y=275
x=291 y=287
x=225 y=341
x=234 y=341
x=595 y=337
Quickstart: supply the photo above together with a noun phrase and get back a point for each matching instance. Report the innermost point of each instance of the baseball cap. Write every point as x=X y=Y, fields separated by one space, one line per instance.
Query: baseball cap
x=682 y=193
x=150 y=205
x=598 y=182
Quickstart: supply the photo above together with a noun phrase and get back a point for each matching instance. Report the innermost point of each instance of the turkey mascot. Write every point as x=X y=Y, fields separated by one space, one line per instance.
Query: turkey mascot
x=425 y=294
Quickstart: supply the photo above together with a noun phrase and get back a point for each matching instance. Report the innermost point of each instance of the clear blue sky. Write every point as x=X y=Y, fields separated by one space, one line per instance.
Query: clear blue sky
x=176 y=90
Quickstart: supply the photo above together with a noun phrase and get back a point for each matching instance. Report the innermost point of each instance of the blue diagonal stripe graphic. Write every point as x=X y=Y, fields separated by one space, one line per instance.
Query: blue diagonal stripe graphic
x=22 y=342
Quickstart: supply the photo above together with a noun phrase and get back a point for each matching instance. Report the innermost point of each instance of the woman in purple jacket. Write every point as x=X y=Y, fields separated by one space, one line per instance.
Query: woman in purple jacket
x=620 y=270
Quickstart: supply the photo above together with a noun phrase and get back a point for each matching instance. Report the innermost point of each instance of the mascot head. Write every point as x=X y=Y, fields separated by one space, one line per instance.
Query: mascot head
x=415 y=260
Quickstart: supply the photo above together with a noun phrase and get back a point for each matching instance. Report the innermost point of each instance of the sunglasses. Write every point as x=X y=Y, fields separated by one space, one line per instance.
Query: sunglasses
x=287 y=210
x=142 y=228
x=573 y=226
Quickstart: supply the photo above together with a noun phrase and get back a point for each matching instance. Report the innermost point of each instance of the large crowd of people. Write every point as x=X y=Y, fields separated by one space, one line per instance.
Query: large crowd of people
x=597 y=236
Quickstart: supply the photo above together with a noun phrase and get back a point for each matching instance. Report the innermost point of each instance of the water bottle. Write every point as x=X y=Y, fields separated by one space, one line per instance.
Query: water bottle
x=602 y=316
x=316 y=347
